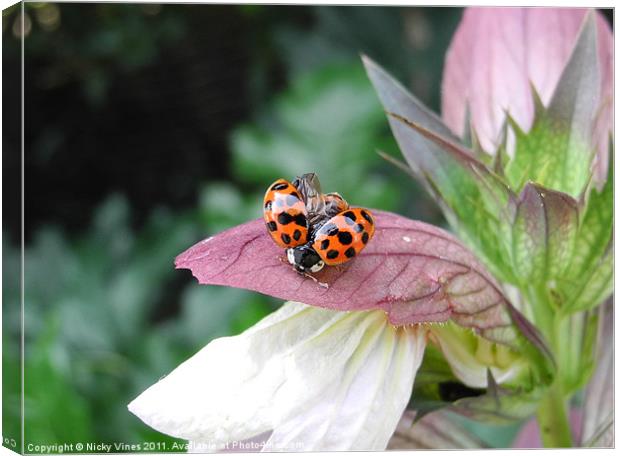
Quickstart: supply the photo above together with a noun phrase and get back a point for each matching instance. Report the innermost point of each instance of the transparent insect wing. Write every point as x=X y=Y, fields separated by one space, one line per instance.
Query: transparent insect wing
x=320 y=206
x=309 y=188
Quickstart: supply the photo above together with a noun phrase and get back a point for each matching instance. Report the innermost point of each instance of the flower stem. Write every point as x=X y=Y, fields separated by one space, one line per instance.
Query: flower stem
x=552 y=416
x=553 y=420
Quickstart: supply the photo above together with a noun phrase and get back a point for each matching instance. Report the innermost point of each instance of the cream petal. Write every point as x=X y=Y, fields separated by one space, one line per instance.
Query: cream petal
x=470 y=356
x=293 y=363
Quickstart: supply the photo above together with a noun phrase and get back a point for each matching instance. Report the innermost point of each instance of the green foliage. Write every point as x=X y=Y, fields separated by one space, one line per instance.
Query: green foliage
x=11 y=338
x=402 y=37
x=543 y=235
x=589 y=278
x=542 y=240
x=46 y=390
x=328 y=122
x=536 y=221
x=549 y=156
x=433 y=372
x=577 y=337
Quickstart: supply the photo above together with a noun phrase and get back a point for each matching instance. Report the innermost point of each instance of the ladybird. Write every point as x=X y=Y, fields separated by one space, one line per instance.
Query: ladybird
x=285 y=214
x=339 y=239
x=344 y=236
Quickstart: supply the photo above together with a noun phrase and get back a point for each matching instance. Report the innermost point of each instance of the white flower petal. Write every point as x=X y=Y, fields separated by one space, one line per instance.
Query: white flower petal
x=213 y=396
x=361 y=409
x=348 y=373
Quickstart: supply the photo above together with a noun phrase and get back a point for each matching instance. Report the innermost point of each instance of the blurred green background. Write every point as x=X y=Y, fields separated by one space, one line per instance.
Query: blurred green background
x=150 y=127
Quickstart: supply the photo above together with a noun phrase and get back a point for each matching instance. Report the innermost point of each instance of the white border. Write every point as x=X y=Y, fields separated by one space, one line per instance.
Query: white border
x=554 y=3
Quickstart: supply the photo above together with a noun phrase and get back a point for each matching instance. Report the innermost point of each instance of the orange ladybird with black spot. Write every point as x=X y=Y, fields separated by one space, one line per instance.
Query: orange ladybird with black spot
x=344 y=236
x=285 y=214
x=336 y=241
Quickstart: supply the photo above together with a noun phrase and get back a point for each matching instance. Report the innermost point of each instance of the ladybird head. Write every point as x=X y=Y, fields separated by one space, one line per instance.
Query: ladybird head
x=305 y=259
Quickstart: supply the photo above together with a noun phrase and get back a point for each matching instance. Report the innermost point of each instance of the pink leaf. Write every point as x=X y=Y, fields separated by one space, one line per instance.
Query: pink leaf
x=496 y=53
x=417 y=273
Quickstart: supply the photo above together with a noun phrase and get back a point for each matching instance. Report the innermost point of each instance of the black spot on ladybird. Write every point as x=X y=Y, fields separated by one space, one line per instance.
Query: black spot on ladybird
x=358 y=228
x=272 y=226
x=285 y=238
x=300 y=219
x=345 y=237
x=350 y=252
x=284 y=218
x=332 y=254
x=330 y=229
x=279 y=186
x=365 y=238
x=268 y=205
x=367 y=216
x=324 y=244
x=349 y=217
x=296 y=235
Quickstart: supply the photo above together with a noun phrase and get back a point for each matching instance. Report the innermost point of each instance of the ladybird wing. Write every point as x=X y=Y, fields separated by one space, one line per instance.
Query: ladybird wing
x=285 y=214
x=334 y=204
x=309 y=186
x=344 y=236
x=310 y=190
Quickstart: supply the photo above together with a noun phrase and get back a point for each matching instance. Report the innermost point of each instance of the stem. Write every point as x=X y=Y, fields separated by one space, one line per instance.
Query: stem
x=555 y=431
x=553 y=421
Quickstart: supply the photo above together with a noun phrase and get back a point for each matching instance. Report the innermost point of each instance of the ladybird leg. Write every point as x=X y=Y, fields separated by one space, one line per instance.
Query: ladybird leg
x=305 y=274
x=315 y=280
